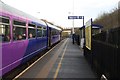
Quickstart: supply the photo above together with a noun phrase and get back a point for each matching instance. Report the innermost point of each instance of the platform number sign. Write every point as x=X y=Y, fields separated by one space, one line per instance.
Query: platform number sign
x=75 y=17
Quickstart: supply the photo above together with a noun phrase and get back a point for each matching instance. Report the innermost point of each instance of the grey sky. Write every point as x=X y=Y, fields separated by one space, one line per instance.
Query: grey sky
x=57 y=11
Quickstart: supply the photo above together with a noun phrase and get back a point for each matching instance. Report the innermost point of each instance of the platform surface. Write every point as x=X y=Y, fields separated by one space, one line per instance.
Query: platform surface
x=66 y=60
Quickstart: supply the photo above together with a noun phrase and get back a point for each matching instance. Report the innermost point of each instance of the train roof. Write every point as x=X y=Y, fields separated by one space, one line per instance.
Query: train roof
x=53 y=26
x=13 y=11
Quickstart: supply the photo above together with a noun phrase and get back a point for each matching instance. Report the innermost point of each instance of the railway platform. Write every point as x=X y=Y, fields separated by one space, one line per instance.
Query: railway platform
x=65 y=60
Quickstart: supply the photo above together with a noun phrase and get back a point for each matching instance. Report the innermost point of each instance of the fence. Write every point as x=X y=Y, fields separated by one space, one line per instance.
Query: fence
x=105 y=54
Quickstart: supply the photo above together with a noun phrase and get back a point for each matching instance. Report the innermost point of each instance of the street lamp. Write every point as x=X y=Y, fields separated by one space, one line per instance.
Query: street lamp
x=72 y=22
x=73 y=19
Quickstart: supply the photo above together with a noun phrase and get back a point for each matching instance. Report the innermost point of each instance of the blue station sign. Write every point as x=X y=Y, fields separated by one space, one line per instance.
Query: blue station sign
x=75 y=17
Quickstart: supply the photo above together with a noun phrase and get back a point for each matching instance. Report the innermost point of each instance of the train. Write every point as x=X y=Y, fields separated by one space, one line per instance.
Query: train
x=22 y=37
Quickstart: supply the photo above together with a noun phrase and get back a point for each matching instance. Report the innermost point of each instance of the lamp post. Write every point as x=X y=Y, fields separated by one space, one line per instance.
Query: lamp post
x=73 y=24
x=73 y=19
x=83 y=32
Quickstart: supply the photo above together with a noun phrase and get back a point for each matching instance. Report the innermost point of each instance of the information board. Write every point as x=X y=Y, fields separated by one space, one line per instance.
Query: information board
x=88 y=33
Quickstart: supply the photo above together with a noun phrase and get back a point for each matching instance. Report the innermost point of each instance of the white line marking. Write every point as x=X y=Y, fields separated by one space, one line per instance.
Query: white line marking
x=60 y=63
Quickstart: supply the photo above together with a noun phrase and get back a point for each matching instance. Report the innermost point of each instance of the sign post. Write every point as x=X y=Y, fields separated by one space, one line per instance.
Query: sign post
x=76 y=17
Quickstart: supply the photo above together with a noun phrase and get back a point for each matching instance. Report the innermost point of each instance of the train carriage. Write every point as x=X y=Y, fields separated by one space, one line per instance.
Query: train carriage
x=54 y=34
x=21 y=37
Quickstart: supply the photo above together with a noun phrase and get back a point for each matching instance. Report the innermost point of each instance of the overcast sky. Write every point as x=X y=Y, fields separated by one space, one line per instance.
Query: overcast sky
x=57 y=11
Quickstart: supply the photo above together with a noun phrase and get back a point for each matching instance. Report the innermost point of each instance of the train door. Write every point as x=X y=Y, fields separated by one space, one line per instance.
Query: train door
x=60 y=35
x=49 y=37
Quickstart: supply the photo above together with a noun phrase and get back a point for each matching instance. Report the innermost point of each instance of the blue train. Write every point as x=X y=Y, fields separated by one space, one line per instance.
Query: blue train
x=22 y=36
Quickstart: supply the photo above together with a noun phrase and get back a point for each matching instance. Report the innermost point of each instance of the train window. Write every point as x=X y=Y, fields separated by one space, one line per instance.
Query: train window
x=31 y=25
x=5 y=33
x=44 y=32
x=57 y=32
x=19 y=30
x=4 y=20
x=19 y=23
x=39 y=31
x=54 y=32
x=31 y=31
x=4 y=29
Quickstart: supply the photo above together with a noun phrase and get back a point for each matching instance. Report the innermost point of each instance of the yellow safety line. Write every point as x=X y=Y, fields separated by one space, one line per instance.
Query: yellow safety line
x=59 y=64
x=34 y=63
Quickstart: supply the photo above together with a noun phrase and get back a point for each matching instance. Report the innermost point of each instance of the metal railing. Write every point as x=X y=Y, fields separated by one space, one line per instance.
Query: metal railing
x=105 y=54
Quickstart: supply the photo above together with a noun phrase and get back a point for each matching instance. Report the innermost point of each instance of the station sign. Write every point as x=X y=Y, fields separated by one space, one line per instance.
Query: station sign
x=75 y=17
